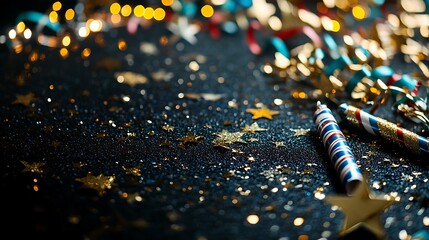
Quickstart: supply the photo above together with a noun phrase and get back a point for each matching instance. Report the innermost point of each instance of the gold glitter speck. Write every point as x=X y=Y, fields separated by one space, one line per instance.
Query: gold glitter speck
x=252 y=219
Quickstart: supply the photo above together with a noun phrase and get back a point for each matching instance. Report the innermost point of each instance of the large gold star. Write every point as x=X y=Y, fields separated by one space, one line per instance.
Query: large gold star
x=35 y=167
x=99 y=183
x=25 y=99
x=361 y=209
x=229 y=137
x=262 y=113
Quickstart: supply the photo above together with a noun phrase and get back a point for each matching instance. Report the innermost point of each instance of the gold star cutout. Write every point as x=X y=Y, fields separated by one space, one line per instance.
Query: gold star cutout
x=191 y=138
x=254 y=127
x=99 y=183
x=300 y=131
x=280 y=144
x=370 y=153
x=55 y=144
x=35 y=167
x=25 y=99
x=262 y=113
x=361 y=209
x=229 y=137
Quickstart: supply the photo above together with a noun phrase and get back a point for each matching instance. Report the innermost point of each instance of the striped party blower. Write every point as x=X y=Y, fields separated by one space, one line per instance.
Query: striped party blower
x=337 y=147
x=385 y=129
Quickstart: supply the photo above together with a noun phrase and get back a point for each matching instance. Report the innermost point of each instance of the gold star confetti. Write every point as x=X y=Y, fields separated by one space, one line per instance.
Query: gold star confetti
x=300 y=131
x=361 y=209
x=254 y=127
x=25 y=99
x=280 y=144
x=219 y=142
x=262 y=113
x=99 y=183
x=168 y=128
x=191 y=138
x=35 y=167
x=370 y=153
x=55 y=144
x=230 y=137
x=132 y=170
x=130 y=78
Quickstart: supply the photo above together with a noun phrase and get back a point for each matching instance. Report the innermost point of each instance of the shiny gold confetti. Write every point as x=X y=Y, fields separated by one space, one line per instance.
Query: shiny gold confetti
x=130 y=78
x=191 y=138
x=300 y=131
x=168 y=128
x=279 y=144
x=98 y=183
x=24 y=99
x=253 y=128
x=361 y=209
x=34 y=167
x=229 y=137
x=132 y=171
x=262 y=113
x=219 y=142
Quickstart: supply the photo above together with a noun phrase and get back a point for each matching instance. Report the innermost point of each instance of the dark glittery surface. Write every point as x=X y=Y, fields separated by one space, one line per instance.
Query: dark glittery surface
x=83 y=120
